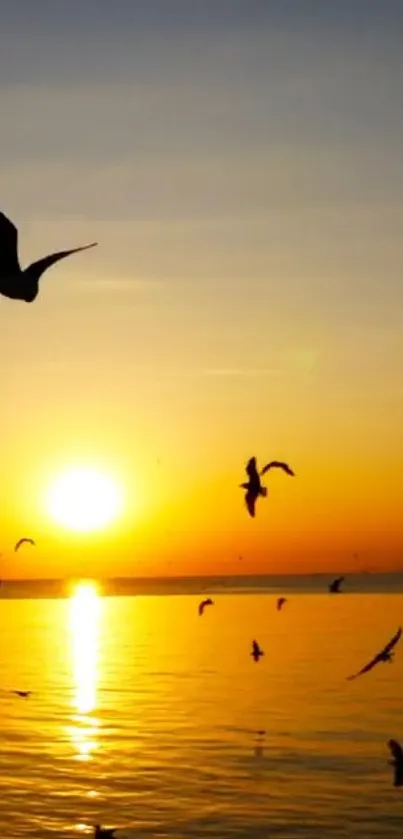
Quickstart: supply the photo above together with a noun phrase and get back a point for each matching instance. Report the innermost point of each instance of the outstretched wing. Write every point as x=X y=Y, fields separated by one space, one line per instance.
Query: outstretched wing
x=255 y=648
x=380 y=656
x=21 y=542
x=393 y=641
x=365 y=669
x=250 y=500
x=36 y=269
x=277 y=464
x=9 y=265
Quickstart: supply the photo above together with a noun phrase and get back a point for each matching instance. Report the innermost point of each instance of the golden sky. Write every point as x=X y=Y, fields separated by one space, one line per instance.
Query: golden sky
x=241 y=171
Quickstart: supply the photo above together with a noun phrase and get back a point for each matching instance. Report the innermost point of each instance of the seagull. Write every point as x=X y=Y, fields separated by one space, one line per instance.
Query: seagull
x=397 y=753
x=104 y=832
x=384 y=655
x=334 y=587
x=256 y=651
x=280 y=603
x=21 y=542
x=24 y=694
x=204 y=603
x=18 y=283
x=254 y=487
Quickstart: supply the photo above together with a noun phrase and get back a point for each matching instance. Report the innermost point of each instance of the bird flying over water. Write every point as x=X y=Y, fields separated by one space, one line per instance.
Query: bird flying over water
x=254 y=486
x=24 y=694
x=204 y=603
x=397 y=754
x=18 y=283
x=104 y=832
x=385 y=655
x=280 y=603
x=21 y=542
x=256 y=651
x=334 y=587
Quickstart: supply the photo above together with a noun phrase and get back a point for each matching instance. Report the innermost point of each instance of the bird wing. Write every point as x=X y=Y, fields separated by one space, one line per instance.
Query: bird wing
x=9 y=264
x=277 y=464
x=393 y=641
x=379 y=656
x=21 y=542
x=251 y=468
x=37 y=268
x=201 y=607
x=250 y=500
x=365 y=669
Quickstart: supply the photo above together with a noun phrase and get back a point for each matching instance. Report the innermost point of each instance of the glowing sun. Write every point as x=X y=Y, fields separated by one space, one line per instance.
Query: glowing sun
x=84 y=500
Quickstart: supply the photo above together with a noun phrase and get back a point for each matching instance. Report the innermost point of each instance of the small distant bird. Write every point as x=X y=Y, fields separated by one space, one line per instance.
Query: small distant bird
x=384 y=655
x=21 y=284
x=334 y=587
x=24 y=694
x=254 y=487
x=204 y=603
x=280 y=603
x=256 y=651
x=21 y=542
x=104 y=832
x=397 y=754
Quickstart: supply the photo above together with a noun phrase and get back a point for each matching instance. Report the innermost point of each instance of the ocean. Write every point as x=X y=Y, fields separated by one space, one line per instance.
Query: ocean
x=147 y=717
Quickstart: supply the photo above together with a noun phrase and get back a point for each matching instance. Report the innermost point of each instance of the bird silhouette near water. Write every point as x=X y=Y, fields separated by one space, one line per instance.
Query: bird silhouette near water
x=385 y=655
x=20 y=542
x=397 y=762
x=334 y=587
x=280 y=603
x=254 y=487
x=204 y=603
x=256 y=651
x=23 y=694
x=18 y=283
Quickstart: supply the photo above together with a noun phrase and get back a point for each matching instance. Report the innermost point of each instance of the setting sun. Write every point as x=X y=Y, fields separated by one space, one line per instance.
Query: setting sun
x=84 y=500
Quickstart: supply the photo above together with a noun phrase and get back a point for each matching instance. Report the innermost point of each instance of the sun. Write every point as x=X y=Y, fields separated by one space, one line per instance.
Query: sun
x=84 y=500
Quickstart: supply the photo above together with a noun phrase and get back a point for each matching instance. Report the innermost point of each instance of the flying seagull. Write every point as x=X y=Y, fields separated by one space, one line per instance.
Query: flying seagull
x=254 y=487
x=21 y=542
x=256 y=651
x=397 y=754
x=384 y=655
x=280 y=603
x=18 y=283
x=204 y=603
x=334 y=587
x=24 y=694
x=104 y=832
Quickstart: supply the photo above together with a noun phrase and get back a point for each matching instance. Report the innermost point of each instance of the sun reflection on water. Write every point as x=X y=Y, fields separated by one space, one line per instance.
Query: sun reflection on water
x=85 y=611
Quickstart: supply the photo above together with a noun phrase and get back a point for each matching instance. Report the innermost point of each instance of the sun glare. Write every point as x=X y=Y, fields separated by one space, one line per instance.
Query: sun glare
x=84 y=500
x=85 y=606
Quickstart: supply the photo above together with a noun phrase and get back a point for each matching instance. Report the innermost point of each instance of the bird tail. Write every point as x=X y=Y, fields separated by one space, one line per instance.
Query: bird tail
x=263 y=491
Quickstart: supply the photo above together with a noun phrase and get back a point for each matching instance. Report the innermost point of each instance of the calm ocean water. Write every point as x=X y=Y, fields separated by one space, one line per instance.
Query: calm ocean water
x=145 y=716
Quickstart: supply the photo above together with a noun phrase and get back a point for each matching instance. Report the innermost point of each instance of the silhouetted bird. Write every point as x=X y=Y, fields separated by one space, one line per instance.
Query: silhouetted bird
x=397 y=754
x=280 y=603
x=21 y=542
x=256 y=651
x=384 y=655
x=334 y=587
x=204 y=603
x=21 y=284
x=24 y=694
x=254 y=487
x=104 y=832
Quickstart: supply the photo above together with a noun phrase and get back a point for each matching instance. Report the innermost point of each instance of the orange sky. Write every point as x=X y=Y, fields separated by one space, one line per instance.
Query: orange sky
x=244 y=183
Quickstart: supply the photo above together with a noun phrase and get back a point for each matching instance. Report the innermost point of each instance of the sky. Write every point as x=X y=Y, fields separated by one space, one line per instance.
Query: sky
x=239 y=164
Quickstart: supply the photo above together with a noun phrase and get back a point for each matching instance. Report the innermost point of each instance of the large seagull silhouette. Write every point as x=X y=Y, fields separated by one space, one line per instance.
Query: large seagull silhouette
x=18 y=283
x=254 y=486
x=385 y=655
